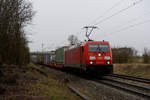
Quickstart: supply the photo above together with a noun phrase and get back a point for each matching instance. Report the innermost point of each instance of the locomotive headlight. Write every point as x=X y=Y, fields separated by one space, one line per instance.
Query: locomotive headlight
x=108 y=62
x=107 y=57
x=99 y=54
x=91 y=62
x=92 y=58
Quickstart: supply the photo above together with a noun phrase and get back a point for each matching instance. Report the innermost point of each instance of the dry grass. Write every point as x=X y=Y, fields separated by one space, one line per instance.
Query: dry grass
x=31 y=82
x=137 y=70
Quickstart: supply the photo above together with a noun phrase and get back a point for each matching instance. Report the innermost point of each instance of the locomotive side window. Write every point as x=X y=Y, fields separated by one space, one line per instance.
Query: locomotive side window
x=98 y=48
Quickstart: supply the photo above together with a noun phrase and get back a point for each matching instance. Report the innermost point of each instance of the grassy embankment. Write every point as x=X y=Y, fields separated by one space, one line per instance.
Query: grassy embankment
x=137 y=70
x=31 y=83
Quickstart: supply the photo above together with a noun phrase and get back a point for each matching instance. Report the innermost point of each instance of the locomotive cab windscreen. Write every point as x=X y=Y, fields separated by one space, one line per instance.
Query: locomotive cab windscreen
x=98 y=48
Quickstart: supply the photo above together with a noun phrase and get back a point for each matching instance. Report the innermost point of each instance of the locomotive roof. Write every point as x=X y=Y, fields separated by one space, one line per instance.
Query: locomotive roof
x=87 y=42
x=93 y=42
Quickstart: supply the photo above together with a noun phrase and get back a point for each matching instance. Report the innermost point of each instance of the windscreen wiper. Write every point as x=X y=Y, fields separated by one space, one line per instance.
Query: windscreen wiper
x=99 y=49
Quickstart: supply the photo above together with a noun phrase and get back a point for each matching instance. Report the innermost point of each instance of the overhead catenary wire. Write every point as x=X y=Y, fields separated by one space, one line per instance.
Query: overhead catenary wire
x=133 y=20
x=107 y=11
x=120 y=11
x=128 y=27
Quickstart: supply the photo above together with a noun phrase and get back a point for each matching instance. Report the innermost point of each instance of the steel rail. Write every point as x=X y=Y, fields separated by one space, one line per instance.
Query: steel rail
x=84 y=97
x=123 y=86
x=129 y=88
x=143 y=80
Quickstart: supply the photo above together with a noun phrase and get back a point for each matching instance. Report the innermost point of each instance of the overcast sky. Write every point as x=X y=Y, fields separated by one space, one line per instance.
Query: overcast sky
x=55 y=20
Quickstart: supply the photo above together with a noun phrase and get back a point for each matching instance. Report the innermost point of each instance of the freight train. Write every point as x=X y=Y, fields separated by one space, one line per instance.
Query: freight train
x=89 y=56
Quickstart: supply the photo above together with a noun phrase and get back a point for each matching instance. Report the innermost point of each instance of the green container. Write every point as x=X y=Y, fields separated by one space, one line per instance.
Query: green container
x=60 y=55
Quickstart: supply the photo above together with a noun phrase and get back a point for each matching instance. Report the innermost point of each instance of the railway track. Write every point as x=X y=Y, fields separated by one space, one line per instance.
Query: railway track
x=143 y=80
x=122 y=83
x=84 y=97
x=114 y=81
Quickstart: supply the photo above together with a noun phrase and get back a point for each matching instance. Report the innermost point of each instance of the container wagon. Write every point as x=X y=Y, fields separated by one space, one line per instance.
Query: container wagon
x=60 y=57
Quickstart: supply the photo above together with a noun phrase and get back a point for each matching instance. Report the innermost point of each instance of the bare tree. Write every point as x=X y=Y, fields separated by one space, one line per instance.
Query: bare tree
x=73 y=40
x=14 y=16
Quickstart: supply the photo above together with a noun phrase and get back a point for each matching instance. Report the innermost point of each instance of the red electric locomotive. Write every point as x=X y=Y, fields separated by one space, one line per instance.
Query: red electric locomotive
x=90 y=56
